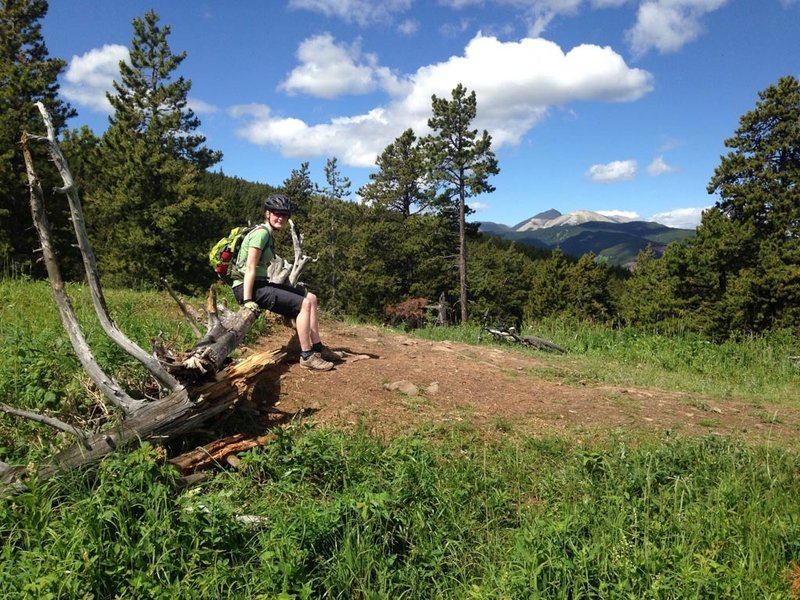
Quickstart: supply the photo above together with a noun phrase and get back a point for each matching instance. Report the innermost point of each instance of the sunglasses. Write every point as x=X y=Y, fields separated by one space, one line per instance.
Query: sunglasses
x=280 y=215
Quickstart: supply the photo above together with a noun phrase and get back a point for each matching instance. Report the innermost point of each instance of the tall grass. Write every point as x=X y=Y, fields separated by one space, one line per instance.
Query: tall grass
x=757 y=368
x=350 y=516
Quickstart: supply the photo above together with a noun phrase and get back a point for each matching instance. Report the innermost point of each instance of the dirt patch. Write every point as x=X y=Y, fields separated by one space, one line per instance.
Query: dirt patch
x=394 y=383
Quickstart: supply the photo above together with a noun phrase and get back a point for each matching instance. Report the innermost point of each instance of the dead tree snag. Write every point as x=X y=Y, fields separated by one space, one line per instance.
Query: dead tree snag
x=198 y=384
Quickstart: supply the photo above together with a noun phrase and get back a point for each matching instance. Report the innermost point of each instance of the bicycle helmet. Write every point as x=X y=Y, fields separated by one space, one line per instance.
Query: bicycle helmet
x=279 y=203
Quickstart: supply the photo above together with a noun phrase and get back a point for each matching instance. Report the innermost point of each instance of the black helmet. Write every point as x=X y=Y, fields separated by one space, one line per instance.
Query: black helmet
x=279 y=203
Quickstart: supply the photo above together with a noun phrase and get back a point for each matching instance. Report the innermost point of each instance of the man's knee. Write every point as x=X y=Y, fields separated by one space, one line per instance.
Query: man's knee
x=310 y=301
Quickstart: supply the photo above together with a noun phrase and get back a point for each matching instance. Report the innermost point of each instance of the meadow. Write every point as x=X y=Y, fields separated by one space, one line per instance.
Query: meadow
x=434 y=513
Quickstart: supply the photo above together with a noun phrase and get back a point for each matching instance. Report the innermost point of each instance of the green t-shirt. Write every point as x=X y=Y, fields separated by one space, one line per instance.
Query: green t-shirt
x=260 y=237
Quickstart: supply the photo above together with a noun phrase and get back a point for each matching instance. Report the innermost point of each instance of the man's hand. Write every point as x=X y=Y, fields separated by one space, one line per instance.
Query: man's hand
x=250 y=305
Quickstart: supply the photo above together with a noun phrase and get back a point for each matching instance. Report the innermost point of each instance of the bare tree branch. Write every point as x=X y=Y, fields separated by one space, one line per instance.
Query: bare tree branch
x=44 y=419
x=106 y=384
x=182 y=306
x=90 y=263
x=300 y=259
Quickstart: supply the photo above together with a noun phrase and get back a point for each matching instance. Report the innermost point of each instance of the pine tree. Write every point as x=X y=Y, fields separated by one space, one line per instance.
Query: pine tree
x=400 y=183
x=27 y=75
x=460 y=162
x=549 y=287
x=325 y=230
x=588 y=289
x=148 y=217
x=741 y=272
x=300 y=189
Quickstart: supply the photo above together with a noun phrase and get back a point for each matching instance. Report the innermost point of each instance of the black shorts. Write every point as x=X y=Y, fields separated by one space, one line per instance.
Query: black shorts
x=279 y=298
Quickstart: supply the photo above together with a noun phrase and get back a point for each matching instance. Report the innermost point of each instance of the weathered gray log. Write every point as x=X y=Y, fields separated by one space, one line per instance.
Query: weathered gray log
x=106 y=384
x=209 y=353
x=89 y=262
x=163 y=419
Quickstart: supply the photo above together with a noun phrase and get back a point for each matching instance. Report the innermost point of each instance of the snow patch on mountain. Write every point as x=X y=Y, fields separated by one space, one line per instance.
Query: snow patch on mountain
x=574 y=218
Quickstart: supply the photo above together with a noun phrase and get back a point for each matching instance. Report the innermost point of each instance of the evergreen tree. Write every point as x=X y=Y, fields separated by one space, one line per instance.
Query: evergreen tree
x=741 y=272
x=549 y=287
x=243 y=201
x=300 y=189
x=401 y=192
x=460 y=162
x=500 y=279
x=323 y=229
x=27 y=75
x=148 y=217
x=588 y=289
x=400 y=183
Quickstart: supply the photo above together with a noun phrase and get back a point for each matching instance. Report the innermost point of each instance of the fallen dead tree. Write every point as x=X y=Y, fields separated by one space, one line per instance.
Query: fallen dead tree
x=196 y=385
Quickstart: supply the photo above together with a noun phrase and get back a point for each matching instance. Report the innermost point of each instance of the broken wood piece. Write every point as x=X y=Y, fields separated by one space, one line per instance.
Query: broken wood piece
x=218 y=452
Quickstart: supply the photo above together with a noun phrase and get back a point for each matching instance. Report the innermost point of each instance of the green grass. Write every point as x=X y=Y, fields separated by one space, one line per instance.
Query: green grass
x=351 y=516
x=441 y=513
x=756 y=369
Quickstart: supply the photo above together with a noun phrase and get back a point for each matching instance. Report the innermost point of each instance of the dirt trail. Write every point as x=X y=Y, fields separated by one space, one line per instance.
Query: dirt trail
x=490 y=390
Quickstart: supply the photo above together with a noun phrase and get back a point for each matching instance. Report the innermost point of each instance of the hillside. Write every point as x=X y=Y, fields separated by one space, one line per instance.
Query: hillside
x=615 y=239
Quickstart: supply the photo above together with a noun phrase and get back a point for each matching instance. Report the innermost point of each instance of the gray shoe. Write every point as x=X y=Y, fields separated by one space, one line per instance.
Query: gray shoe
x=315 y=362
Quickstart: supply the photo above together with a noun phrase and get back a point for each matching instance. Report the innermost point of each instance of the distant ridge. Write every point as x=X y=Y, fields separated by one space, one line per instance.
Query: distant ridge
x=618 y=240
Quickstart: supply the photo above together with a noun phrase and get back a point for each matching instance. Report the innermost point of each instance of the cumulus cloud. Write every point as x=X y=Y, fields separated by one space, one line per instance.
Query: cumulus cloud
x=362 y=12
x=617 y=170
x=329 y=69
x=668 y=25
x=683 y=218
x=659 y=167
x=90 y=76
x=515 y=84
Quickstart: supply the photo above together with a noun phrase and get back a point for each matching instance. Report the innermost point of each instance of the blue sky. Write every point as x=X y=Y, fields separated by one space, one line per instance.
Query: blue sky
x=616 y=106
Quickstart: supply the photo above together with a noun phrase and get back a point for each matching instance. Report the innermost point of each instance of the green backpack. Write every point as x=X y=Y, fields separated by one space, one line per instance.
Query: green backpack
x=224 y=253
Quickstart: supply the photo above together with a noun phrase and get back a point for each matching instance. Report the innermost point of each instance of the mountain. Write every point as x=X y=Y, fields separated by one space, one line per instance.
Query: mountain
x=617 y=239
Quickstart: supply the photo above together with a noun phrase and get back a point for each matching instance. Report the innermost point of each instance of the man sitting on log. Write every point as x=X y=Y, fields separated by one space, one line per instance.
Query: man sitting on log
x=255 y=292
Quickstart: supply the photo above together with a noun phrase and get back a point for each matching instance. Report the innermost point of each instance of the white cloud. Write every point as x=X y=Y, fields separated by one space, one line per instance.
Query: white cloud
x=683 y=218
x=659 y=167
x=617 y=170
x=515 y=84
x=668 y=25
x=478 y=206
x=90 y=76
x=625 y=214
x=362 y=12
x=329 y=69
x=201 y=107
x=408 y=27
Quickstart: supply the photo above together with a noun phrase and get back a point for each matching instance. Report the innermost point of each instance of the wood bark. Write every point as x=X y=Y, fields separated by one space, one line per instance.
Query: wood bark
x=218 y=452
